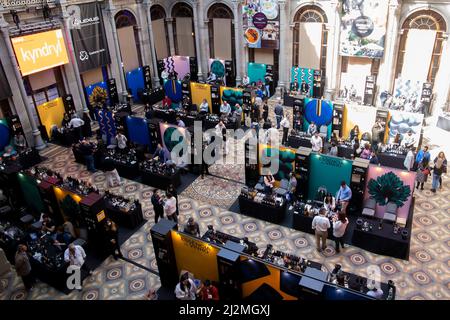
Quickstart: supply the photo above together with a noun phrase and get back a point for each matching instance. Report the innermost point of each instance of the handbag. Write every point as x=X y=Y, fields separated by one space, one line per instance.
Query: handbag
x=426 y=171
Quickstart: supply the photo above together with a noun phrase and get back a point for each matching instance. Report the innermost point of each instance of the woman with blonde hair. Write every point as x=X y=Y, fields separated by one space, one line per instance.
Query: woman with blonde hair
x=440 y=167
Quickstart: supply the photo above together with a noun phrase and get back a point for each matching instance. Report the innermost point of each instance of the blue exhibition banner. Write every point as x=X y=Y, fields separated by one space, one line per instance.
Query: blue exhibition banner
x=138 y=130
x=135 y=82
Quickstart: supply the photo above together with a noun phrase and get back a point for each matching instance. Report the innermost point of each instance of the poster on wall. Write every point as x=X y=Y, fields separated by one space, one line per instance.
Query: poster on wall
x=363 y=116
x=175 y=67
x=305 y=79
x=390 y=185
x=363 y=28
x=406 y=97
x=40 y=51
x=51 y=113
x=89 y=41
x=401 y=122
x=321 y=113
x=261 y=23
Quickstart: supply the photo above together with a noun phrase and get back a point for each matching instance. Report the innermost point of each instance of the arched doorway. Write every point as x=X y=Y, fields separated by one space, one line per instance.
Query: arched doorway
x=128 y=36
x=160 y=34
x=183 y=30
x=221 y=42
x=310 y=39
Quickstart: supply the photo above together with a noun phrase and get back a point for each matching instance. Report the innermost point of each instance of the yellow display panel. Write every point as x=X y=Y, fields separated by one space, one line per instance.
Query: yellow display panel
x=200 y=91
x=363 y=116
x=51 y=113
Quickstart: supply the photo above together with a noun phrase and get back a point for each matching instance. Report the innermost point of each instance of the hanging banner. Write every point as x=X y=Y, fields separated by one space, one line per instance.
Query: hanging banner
x=40 y=51
x=261 y=23
x=5 y=90
x=89 y=41
x=363 y=28
x=305 y=79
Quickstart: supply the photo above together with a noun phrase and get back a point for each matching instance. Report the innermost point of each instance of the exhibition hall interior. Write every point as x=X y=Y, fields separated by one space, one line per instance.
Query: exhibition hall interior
x=249 y=150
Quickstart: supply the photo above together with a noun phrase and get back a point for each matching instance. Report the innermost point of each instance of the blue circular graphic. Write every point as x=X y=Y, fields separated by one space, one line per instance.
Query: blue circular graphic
x=319 y=111
x=5 y=136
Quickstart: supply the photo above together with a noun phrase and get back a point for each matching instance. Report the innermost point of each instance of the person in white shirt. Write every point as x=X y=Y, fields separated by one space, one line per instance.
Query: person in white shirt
x=285 y=125
x=321 y=224
x=339 y=226
x=245 y=80
x=409 y=160
x=76 y=123
x=221 y=131
x=186 y=288
x=329 y=202
x=225 y=109
x=170 y=207
x=316 y=142
x=75 y=256
x=121 y=141
x=180 y=123
x=272 y=136
x=204 y=107
x=408 y=140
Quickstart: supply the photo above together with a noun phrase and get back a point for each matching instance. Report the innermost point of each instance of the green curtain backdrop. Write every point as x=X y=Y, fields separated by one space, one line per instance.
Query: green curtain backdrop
x=328 y=172
x=256 y=72
x=31 y=193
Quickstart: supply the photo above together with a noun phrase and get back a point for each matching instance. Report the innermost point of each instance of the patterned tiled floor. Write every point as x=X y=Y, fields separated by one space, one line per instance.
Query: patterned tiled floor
x=425 y=276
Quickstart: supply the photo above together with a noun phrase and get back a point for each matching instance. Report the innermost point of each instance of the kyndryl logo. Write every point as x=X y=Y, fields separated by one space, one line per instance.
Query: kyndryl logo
x=44 y=51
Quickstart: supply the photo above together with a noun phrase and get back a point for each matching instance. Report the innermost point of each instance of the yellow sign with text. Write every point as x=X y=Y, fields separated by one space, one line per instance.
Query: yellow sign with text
x=40 y=51
x=51 y=113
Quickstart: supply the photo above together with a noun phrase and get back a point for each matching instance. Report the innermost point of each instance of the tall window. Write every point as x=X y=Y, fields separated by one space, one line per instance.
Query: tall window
x=125 y=18
x=158 y=16
x=426 y=20
x=220 y=11
x=183 y=36
x=310 y=14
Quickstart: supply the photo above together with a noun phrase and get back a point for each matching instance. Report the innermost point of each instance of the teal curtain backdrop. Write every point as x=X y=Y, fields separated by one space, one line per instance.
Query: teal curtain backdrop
x=328 y=172
x=256 y=72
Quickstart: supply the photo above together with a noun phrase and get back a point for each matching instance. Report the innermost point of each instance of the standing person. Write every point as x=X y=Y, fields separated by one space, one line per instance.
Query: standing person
x=121 y=142
x=158 y=206
x=343 y=197
x=409 y=160
x=173 y=191
x=339 y=226
x=440 y=167
x=265 y=113
x=186 y=288
x=170 y=207
x=423 y=171
x=329 y=202
x=19 y=142
x=238 y=112
x=209 y=292
x=422 y=155
x=321 y=224
x=292 y=188
x=76 y=256
x=23 y=267
x=377 y=131
x=354 y=133
x=76 y=123
x=279 y=112
x=192 y=228
x=112 y=237
x=285 y=125
x=269 y=180
x=312 y=128
x=316 y=142
x=221 y=130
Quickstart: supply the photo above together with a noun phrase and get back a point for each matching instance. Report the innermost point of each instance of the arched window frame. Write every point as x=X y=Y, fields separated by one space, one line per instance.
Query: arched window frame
x=182 y=10
x=126 y=18
x=158 y=12
x=220 y=11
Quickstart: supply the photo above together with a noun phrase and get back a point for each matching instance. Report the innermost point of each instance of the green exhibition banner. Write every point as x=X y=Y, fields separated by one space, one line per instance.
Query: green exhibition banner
x=31 y=193
x=327 y=172
x=256 y=72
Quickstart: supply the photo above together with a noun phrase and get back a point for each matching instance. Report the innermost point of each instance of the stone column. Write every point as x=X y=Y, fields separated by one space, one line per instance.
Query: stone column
x=110 y=14
x=204 y=38
x=332 y=70
x=143 y=35
x=154 y=65
x=238 y=39
x=283 y=45
x=198 y=50
x=387 y=67
x=171 y=39
x=72 y=70
x=37 y=139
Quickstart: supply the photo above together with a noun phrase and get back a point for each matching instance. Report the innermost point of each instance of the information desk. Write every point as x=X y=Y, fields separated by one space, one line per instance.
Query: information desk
x=295 y=141
x=160 y=181
x=384 y=241
x=392 y=160
x=124 y=217
x=261 y=211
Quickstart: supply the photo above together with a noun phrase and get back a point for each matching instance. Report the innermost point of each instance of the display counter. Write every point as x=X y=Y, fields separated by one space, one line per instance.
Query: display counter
x=295 y=141
x=262 y=211
x=392 y=160
x=160 y=181
x=129 y=215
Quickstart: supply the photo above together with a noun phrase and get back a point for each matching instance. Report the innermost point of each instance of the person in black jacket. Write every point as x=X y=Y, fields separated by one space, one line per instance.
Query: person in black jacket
x=112 y=238
x=171 y=190
x=265 y=110
x=158 y=206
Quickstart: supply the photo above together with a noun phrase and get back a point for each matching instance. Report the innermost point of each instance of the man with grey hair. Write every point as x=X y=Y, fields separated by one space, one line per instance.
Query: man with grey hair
x=75 y=256
x=321 y=224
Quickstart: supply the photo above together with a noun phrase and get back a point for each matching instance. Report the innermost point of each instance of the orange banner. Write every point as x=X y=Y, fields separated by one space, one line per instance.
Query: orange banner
x=40 y=51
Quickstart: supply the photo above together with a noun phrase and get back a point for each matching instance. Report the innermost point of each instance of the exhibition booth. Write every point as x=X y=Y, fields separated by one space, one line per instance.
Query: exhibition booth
x=242 y=272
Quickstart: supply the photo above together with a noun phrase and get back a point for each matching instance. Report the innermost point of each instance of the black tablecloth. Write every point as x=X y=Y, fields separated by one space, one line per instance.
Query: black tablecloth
x=302 y=223
x=126 y=170
x=261 y=211
x=288 y=100
x=160 y=181
x=345 y=151
x=129 y=219
x=29 y=158
x=383 y=241
x=297 y=142
x=392 y=160
x=57 y=278
x=79 y=157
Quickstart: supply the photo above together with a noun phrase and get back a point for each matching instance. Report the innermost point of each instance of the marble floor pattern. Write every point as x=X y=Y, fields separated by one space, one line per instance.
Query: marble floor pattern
x=425 y=276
